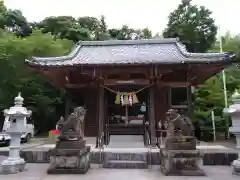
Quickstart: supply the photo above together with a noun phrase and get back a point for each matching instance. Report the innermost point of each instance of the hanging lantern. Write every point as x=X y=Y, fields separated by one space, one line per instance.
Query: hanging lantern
x=134 y=98
x=130 y=99
x=126 y=100
x=122 y=99
x=117 y=101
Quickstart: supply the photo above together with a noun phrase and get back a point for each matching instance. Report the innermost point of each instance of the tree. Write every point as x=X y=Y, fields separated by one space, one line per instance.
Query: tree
x=40 y=95
x=64 y=27
x=102 y=30
x=143 y=33
x=127 y=33
x=14 y=21
x=193 y=26
x=210 y=95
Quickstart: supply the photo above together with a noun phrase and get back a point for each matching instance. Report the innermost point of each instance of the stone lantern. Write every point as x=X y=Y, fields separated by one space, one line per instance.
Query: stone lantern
x=17 y=114
x=234 y=112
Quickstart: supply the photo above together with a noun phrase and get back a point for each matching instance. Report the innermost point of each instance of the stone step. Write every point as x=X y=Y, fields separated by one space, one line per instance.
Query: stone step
x=125 y=156
x=126 y=130
x=119 y=131
x=122 y=164
x=116 y=132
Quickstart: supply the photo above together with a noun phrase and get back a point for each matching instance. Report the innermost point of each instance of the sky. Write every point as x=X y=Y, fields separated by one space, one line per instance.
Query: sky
x=136 y=14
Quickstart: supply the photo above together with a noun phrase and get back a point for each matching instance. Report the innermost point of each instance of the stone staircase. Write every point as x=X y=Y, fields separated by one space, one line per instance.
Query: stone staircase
x=131 y=129
x=125 y=160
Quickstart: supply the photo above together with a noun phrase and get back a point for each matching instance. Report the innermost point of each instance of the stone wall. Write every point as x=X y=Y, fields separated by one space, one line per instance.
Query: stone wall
x=209 y=158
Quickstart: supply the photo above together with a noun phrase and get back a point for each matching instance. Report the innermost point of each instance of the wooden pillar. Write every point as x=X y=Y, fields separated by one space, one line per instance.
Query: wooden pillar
x=161 y=106
x=67 y=105
x=190 y=109
x=152 y=117
x=189 y=100
x=101 y=110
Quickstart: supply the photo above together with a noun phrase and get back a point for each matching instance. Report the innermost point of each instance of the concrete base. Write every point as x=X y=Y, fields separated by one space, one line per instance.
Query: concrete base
x=12 y=166
x=181 y=162
x=125 y=160
x=213 y=153
x=69 y=161
x=121 y=164
x=183 y=173
x=236 y=167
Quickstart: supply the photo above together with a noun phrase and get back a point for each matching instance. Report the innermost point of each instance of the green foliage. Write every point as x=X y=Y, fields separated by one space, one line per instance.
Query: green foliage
x=210 y=96
x=40 y=96
x=87 y=28
x=196 y=29
x=64 y=27
x=193 y=26
x=14 y=21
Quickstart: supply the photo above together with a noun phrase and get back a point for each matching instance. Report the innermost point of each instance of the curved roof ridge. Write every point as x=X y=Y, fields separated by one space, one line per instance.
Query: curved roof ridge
x=128 y=42
x=145 y=51
x=186 y=53
x=71 y=55
x=79 y=44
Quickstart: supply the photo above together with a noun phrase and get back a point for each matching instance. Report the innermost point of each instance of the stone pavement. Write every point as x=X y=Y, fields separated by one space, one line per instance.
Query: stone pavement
x=38 y=172
x=126 y=141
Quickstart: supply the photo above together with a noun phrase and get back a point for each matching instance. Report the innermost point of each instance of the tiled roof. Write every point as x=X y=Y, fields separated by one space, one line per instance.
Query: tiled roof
x=151 y=51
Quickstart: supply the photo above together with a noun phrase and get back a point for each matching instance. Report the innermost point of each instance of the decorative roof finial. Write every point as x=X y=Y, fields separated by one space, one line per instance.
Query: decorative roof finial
x=18 y=101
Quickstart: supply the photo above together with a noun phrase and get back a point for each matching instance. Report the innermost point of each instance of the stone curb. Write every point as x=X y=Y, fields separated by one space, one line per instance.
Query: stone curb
x=209 y=158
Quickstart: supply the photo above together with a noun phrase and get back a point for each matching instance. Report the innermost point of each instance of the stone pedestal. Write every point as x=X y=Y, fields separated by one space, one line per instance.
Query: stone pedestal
x=13 y=164
x=234 y=112
x=236 y=166
x=69 y=161
x=236 y=163
x=17 y=114
x=180 y=157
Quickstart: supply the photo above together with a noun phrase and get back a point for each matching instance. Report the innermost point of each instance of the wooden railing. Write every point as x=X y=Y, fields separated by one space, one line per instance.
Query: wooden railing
x=101 y=148
x=148 y=139
x=147 y=142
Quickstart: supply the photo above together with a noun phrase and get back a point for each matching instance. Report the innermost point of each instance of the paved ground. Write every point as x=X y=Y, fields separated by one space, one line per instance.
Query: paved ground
x=126 y=141
x=37 y=172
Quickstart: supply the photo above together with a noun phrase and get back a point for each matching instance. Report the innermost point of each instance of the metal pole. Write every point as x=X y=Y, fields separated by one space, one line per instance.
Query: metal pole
x=213 y=126
x=224 y=88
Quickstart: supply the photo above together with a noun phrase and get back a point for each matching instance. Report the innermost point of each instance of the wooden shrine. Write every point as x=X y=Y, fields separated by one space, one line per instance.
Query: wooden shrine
x=132 y=80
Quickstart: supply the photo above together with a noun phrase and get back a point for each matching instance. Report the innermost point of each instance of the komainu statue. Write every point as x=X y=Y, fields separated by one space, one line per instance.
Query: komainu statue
x=70 y=155
x=179 y=155
x=73 y=128
x=179 y=124
x=60 y=123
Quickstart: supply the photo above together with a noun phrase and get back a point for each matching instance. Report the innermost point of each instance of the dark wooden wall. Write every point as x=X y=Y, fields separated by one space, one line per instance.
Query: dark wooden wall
x=91 y=119
x=161 y=104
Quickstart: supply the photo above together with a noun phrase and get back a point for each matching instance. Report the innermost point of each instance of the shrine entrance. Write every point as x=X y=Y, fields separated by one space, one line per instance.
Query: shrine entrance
x=127 y=114
x=106 y=73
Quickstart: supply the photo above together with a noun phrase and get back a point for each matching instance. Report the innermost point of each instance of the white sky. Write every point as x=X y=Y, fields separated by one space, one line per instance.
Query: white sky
x=134 y=13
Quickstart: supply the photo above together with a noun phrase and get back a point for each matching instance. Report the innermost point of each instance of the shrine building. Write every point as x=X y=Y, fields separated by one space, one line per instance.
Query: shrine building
x=126 y=84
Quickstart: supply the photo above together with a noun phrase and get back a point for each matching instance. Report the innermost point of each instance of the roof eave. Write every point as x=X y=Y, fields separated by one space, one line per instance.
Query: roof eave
x=228 y=60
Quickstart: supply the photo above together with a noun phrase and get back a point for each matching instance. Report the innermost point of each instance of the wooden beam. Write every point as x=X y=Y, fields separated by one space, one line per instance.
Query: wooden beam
x=117 y=82
x=78 y=86
x=174 y=84
x=127 y=69
x=202 y=76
